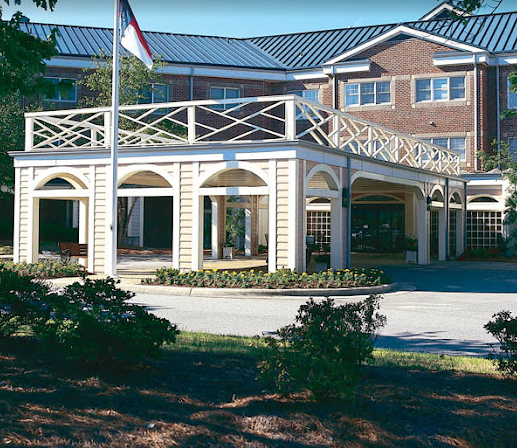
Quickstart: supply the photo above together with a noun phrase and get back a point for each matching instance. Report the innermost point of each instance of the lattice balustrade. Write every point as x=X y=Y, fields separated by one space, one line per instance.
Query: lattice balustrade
x=272 y=118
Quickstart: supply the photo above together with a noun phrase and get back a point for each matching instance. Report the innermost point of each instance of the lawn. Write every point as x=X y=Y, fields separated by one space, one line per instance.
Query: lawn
x=204 y=394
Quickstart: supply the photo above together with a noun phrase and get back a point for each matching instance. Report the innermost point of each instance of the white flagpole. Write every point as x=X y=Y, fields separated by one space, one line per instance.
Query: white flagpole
x=111 y=259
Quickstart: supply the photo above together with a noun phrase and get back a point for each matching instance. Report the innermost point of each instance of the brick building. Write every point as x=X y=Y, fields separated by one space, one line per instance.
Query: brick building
x=442 y=81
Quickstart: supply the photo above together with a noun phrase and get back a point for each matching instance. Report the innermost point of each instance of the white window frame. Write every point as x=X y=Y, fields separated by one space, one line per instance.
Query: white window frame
x=225 y=97
x=152 y=91
x=510 y=96
x=303 y=94
x=60 y=100
x=360 y=94
x=432 y=88
x=448 y=146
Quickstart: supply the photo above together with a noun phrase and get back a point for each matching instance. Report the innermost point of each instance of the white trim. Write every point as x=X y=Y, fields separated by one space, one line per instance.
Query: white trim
x=176 y=215
x=322 y=193
x=272 y=230
x=233 y=191
x=230 y=165
x=444 y=59
x=402 y=29
x=326 y=169
x=91 y=219
x=303 y=201
x=30 y=217
x=17 y=213
x=444 y=6
x=363 y=65
x=64 y=172
x=127 y=171
x=60 y=194
x=197 y=254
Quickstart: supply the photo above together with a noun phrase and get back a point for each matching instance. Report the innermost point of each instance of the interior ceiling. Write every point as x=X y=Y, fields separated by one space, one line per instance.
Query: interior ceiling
x=235 y=178
x=321 y=180
x=373 y=186
x=146 y=179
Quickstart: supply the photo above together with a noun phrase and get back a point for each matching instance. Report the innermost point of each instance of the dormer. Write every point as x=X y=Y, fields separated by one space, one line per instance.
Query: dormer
x=444 y=11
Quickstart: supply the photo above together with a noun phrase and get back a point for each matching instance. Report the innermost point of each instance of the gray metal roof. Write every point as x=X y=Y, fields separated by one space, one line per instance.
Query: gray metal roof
x=495 y=33
x=174 y=48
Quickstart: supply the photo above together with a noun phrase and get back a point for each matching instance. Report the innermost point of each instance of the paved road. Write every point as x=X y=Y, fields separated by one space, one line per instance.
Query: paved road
x=440 y=308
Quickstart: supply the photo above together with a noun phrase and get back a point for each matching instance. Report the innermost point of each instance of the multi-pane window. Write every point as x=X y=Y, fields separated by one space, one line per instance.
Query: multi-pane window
x=512 y=97
x=364 y=93
x=512 y=147
x=64 y=90
x=318 y=225
x=483 y=229
x=155 y=93
x=456 y=144
x=311 y=95
x=440 y=89
x=224 y=93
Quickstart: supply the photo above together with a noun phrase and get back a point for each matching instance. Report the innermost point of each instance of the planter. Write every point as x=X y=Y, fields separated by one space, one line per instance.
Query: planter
x=411 y=256
x=229 y=252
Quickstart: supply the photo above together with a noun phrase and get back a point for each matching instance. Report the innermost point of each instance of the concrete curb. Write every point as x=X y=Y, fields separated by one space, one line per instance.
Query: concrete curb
x=258 y=293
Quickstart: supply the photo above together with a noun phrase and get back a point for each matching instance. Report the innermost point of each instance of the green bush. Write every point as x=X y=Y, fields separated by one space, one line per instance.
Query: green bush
x=22 y=302
x=281 y=279
x=504 y=329
x=44 y=269
x=323 y=350
x=94 y=323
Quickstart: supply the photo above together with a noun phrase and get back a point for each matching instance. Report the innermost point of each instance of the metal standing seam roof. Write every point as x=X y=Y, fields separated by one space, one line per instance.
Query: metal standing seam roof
x=496 y=33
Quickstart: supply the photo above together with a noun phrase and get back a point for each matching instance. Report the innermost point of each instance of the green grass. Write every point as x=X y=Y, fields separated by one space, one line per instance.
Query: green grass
x=251 y=346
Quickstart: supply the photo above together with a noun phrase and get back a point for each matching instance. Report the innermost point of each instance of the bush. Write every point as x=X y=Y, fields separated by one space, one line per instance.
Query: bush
x=504 y=329
x=22 y=302
x=44 y=269
x=323 y=350
x=94 y=323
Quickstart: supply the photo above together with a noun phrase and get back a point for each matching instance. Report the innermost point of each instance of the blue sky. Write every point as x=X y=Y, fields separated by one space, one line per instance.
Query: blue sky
x=239 y=18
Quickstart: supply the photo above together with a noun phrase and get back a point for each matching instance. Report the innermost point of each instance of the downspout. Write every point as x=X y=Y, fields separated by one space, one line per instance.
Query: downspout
x=191 y=94
x=465 y=218
x=475 y=114
x=348 y=213
x=498 y=106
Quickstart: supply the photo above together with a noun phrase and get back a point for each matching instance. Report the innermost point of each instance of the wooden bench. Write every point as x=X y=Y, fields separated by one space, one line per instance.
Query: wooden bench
x=69 y=250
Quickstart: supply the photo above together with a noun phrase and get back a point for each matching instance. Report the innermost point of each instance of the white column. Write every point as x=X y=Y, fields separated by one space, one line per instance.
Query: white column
x=422 y=231
x=336 y=234
x=176 y=217
x=83 y=226
x=294 y=216
x=197 y=221
x=34 y=231
x=215 y=228
x=442 y=224
x=247 y=232
x=272 y=217
x=17 y=216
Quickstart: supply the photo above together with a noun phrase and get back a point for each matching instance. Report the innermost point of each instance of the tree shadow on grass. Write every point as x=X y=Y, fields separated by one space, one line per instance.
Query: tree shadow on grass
x=203 y=399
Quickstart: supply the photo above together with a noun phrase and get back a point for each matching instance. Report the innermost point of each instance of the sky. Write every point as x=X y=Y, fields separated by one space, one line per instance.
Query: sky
x=239 y=18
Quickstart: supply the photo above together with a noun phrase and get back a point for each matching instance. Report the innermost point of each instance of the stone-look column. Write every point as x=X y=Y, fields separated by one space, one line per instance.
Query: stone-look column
x=423 y=230
x=218 y=225
x=442 y=226
x=336 y=234
x=410 y=215
x=83 y=226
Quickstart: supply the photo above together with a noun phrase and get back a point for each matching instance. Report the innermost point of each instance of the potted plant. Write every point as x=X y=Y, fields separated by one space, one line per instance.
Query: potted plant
x=411 y=249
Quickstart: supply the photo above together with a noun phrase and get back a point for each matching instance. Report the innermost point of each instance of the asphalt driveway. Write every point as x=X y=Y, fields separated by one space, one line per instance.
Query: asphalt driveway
x=439 y=308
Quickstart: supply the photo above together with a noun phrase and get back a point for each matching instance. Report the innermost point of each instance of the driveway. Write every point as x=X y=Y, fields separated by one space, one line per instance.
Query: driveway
x=439 y=308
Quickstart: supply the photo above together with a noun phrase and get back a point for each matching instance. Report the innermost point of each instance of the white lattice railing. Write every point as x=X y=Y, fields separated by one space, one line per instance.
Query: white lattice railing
x=271 y=118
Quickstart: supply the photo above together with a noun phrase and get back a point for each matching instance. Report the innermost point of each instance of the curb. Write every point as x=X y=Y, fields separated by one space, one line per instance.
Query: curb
x=259 y=293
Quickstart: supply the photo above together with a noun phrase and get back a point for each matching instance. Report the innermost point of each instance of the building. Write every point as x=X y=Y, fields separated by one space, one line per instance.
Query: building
x=405 y=108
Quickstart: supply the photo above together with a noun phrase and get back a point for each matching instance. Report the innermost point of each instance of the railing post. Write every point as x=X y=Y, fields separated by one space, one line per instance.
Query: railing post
x=107 y=129
x=290 y=119
x=191 y=124
x=370 y=143
x=336 y=138
x=29 y=133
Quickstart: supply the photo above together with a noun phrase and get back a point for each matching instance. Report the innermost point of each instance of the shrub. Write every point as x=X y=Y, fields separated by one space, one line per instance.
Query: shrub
x=323 y=349
x=504 y=329
x=44 y=269
x=281 y=279
x=94 y=323
x=22 y=301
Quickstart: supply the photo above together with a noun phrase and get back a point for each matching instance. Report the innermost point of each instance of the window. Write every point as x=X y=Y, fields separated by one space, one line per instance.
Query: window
x=440 y=89
x=512 y=147
x=512 y=97
x=455 y=144
x=484 y=229
x=367 y=93
x=224 y=93
x=155 y=93
x=311 y=95
x=65 y=90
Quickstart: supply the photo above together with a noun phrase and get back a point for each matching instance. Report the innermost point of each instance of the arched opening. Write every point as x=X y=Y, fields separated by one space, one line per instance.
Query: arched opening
x=145 y=218
x=234 y=218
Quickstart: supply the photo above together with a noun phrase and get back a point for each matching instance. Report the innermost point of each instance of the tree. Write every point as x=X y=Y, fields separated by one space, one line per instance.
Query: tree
x=22 y=65
x=136 y=81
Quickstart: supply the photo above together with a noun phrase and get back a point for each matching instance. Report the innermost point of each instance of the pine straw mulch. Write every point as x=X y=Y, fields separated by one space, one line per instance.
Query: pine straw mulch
x=207 y=400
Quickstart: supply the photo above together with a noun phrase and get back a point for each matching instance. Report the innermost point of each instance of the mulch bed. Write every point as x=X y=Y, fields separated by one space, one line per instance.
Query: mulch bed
x=206 y=400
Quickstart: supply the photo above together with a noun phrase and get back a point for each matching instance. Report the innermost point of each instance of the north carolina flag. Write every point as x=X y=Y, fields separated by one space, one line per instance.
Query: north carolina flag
x=132 y=38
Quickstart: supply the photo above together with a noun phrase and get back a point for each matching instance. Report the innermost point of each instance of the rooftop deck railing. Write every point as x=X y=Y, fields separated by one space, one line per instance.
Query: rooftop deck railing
x=259 y=119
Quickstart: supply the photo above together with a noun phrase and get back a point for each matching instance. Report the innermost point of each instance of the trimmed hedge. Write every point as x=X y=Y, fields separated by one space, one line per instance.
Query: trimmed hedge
x=44 y=269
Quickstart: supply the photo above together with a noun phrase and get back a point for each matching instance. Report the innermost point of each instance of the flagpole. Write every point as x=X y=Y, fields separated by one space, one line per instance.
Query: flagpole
x=111 y=259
